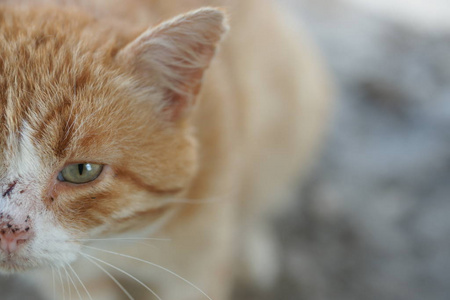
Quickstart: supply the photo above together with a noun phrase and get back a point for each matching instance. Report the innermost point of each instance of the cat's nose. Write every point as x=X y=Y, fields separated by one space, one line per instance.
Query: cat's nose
x=13 y=235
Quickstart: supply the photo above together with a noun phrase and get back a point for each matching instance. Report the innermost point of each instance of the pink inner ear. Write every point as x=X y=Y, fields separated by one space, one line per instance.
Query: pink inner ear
x=174 y=56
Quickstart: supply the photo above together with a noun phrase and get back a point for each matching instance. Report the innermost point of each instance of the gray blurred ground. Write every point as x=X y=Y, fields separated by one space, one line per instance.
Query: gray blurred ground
x=374 y=217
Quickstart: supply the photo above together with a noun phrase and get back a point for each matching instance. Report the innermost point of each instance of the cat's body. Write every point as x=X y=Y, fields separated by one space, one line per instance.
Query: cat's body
x=79 y=84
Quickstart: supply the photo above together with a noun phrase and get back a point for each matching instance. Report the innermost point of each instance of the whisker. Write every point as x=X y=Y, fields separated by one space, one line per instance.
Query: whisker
x=80 y=126
x=218 y=198
x=72 y=124
x=120 y=239
x=54 y=285
x=129 y=240
x=193 y=202
x=62 y=284
x=133 y=241
x=81 y=282
x=68 y=283
x=110 y=276
x=73 y=283
x=120 y=270
x=145 y=244
x=152 y=264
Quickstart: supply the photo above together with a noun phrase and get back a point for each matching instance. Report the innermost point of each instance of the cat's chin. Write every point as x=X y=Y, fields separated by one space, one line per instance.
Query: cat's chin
x=9 y=266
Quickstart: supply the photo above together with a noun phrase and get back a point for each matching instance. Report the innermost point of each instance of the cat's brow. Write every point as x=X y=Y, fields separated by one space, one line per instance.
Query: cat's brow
x=62 y=136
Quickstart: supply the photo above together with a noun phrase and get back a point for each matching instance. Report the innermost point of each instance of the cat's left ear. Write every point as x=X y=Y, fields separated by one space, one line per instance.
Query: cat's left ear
x=173 y=56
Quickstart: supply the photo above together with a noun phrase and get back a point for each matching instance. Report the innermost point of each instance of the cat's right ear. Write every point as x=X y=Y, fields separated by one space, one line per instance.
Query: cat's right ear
x=173 y=56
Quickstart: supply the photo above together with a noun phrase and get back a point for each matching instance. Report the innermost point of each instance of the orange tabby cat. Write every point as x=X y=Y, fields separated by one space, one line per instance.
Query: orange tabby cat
x=112 y=130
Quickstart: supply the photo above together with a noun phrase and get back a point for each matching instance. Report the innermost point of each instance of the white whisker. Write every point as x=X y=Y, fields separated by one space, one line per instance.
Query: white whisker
x=81 y=282
x=124 y=272
x=110 y=276
x=145 y=244
x=62 y=284
x=54 y=285
x=71 y=125
x=152 y=264
x=219 y=198
x=80 y=126
x=120 y=239
x=74 y=285
x=68 y=283
x=193 y=201
x=128 y=240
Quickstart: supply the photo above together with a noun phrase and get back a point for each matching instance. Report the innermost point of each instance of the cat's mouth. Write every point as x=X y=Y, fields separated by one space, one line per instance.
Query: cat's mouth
x=13 y=263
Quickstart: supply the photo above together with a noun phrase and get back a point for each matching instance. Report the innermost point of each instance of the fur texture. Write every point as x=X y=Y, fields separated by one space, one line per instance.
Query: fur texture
x=202 y=159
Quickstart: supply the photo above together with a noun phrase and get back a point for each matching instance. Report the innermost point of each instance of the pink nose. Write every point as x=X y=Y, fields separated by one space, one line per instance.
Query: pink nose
x=11 y=237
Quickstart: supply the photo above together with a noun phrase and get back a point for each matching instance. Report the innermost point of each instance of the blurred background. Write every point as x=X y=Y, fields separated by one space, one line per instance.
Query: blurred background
x=373 y=219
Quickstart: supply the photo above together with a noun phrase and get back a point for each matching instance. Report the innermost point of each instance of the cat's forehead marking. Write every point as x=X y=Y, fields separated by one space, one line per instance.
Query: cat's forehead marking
x=28 y=161
x=23 y=159
x=58 y=87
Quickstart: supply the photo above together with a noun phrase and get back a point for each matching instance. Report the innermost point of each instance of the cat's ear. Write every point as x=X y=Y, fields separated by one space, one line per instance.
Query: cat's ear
x=173 y=56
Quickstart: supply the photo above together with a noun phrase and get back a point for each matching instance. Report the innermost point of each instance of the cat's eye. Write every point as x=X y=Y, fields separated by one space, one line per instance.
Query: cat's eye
x=80 y=173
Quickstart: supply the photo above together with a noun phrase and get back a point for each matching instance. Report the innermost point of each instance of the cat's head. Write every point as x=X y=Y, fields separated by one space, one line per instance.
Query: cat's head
x=94 y=126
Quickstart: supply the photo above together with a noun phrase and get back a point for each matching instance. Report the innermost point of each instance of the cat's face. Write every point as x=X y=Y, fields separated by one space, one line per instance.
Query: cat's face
x=94 y=132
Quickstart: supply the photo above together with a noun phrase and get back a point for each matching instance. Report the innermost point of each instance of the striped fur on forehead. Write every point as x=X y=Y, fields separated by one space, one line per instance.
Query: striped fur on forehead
x=54 y=80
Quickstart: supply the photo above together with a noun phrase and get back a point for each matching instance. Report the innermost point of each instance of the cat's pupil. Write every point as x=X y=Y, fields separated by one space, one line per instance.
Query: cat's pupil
x=80 y=168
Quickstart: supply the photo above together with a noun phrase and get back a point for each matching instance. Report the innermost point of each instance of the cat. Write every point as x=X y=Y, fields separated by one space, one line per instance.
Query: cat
x=127 y=121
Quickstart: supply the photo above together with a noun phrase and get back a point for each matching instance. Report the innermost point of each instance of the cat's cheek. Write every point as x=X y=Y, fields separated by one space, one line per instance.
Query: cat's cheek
x=77 y=208
x=80 y=215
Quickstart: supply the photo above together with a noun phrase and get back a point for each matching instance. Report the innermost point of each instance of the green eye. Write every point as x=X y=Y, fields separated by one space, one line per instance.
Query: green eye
x=80 y=173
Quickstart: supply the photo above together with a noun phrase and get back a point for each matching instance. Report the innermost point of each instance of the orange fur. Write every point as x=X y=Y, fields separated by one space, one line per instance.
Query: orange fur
x=92 y=85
